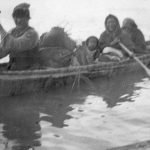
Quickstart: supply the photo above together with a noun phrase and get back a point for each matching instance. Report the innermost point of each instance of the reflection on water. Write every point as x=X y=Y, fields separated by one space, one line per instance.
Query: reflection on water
x=113 y=113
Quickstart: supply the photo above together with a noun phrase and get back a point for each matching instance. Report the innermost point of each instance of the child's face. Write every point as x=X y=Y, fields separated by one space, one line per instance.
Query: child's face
x=92 y=44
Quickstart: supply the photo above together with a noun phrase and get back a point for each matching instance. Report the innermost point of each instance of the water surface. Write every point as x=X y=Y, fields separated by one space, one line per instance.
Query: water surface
x=111 y=112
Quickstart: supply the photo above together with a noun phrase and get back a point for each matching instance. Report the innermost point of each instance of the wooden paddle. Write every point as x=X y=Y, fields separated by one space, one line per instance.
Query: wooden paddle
x=147 y=70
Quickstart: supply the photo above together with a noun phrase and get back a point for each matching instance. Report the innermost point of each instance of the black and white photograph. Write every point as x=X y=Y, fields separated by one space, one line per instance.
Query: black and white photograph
x=74 y=74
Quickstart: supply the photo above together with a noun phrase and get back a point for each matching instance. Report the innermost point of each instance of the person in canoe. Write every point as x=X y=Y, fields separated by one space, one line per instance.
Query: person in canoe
x=130 y=27
x=108 y=41
x=21 y=43
x=87 y=52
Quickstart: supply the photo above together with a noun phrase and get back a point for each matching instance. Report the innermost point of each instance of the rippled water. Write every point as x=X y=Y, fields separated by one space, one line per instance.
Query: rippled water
x=111 y=112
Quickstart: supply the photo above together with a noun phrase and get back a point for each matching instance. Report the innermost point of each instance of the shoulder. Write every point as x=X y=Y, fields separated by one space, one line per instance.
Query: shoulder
x=31 y=32
x=103 y=34
x=11 y=30
x=125 y=33
x=139 y=32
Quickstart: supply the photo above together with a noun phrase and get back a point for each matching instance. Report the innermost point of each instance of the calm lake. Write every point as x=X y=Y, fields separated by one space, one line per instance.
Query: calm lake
x=107 y=113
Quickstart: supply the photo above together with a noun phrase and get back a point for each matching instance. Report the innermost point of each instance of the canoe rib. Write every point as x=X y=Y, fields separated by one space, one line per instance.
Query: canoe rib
x=18 y=82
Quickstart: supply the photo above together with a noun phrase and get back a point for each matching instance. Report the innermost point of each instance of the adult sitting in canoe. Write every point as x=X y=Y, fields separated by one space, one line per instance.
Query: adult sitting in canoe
x=21 y=43
x=87 y=52
x=108 y=41
x=130 y=27
x=56 y=48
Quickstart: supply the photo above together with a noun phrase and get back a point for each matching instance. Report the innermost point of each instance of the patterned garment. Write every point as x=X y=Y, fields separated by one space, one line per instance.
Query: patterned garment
x=21 y=45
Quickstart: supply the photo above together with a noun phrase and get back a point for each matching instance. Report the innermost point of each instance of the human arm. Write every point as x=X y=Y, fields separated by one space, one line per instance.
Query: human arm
x=3 y=52
x=108 y=40
x=139 y=41
x=25 y=42
x=102 y=43
x=3 y=32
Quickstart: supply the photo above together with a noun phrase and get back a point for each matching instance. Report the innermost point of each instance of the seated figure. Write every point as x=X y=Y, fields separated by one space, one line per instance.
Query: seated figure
x=87 y=52
x=21 y=43
x=130 y=27
x=108 y=41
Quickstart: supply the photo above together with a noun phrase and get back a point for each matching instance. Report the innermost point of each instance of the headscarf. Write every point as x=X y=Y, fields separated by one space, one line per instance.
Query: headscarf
x=129 y=23
x=92 y=37
x=21 y=10
x=115 y=18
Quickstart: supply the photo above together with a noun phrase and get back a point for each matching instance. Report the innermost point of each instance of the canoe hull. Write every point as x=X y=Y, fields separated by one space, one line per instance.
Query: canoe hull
x=21 y=82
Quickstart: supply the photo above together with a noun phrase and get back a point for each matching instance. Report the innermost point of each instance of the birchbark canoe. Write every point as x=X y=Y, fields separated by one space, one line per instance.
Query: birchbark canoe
x=21 y=82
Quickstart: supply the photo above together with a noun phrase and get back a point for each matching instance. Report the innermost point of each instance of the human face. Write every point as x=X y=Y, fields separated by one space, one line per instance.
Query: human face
x=111 y=24
x=21 y=22
x=127 y=25
x=92 y=43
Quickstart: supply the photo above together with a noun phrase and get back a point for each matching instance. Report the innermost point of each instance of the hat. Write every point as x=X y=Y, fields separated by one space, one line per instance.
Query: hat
x=21 y=10
x=114 y=17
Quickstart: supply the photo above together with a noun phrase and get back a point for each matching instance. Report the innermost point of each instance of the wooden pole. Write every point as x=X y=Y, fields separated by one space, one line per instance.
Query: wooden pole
x=147 y=70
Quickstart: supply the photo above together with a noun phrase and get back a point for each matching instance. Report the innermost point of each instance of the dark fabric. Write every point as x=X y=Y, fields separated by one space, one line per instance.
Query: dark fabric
x=25 y=59
x=55 y=57
x=138 y=40
x=107 y=38
x=56 y=48
x=21 y=10
x=57 y=37
x=130 y=27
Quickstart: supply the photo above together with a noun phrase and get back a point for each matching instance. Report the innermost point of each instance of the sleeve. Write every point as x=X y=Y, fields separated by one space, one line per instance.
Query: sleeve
x=27 y=41
x=102 y=43
x=127 y=41
x=3 y=52
x=140 y=40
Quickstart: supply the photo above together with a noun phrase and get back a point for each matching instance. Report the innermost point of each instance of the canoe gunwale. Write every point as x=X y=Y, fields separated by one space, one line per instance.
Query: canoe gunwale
x=72 y=70
x=27 y=81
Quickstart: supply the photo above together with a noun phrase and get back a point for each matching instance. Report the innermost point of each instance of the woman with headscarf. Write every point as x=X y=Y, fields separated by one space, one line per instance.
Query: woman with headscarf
x=21 y=43
x=130 y=27
x=108 y=41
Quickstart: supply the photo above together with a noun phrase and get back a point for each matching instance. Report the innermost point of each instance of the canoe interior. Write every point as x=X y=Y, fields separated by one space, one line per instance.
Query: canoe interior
x=20 y=82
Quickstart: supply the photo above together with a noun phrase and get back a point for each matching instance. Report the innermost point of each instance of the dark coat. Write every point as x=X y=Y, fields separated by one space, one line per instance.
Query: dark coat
x=107 y=38
x=136 y=35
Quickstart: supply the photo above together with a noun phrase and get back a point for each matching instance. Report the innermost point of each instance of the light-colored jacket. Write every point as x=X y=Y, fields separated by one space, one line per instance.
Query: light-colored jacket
x=21 y=46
